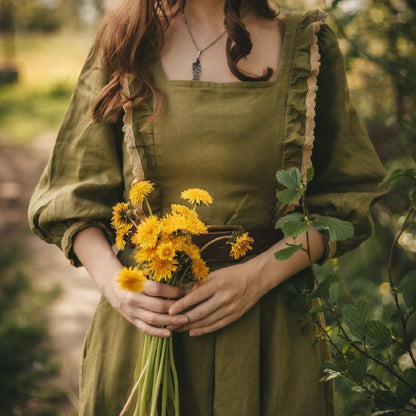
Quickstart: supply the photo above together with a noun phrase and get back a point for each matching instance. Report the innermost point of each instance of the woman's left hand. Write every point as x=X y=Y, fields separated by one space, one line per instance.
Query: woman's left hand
x=223 y=298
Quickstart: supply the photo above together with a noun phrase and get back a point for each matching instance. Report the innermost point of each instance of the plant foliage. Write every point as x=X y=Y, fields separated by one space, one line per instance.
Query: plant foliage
x=374 y=355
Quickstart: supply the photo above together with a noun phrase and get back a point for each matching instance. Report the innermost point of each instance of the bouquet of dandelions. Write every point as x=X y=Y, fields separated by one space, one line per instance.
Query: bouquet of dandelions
x=164 y=253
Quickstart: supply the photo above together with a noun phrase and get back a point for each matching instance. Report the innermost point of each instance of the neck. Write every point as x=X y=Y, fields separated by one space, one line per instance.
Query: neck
x=205 y=12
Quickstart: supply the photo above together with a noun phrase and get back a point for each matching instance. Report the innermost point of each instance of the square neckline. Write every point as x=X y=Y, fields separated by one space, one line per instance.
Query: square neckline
x=284 y=64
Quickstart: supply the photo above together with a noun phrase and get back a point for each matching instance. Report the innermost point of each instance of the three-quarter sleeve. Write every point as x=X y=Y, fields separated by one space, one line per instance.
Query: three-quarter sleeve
x=347 y=169
x=83 y=178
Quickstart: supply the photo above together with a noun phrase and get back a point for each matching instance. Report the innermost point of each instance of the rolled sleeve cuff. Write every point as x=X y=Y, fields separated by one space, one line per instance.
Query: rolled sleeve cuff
x=330 y=251
x=67 y=240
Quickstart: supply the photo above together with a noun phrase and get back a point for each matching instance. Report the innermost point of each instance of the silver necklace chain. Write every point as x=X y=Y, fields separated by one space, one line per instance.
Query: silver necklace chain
x=196 y=65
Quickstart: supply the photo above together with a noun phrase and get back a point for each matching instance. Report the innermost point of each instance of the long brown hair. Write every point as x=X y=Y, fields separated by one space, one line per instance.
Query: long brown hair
x=131 y=37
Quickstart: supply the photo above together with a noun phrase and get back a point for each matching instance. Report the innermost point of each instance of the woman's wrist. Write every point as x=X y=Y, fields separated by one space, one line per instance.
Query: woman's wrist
x=270 y=272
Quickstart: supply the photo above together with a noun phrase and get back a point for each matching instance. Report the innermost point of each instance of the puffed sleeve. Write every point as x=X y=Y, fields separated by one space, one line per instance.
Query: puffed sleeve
x=83 y=177
x=347 y=169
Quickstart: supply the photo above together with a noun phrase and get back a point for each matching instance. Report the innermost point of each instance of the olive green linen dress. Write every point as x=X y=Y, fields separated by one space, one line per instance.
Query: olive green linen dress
x=230 y=139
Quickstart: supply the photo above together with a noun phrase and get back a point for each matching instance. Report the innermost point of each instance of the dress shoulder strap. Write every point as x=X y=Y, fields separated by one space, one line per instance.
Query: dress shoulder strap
x=310 y=100
x=128 y=130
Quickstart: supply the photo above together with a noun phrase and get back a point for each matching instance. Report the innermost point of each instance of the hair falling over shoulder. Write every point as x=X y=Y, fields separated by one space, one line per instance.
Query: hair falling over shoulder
x=130 y=38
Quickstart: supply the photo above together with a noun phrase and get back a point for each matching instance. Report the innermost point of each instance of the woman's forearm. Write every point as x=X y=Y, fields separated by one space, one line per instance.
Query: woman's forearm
x=95 y=253
x=270 y=272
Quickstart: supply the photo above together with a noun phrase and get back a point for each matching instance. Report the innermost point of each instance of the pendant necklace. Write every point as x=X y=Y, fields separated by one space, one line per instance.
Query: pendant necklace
x=196 y=65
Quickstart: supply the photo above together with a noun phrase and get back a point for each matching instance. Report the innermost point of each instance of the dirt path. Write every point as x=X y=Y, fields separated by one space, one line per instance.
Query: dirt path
x=69 y=315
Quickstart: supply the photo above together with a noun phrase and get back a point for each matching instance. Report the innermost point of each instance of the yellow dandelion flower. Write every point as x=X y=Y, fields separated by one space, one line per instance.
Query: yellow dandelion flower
x=120 y=242
x=199 y=269
x=165 y=250
x=132 y=279
x=172 y=223
x=178 y=242
x=161 y=270
x=191 y=223
x=144 y=255
x=139 y=191
x=121 y=215
x=121 y=233
x=194 y=225
x=147 y=232
x=192 y=251
x=240 y=247
x=197 y=196
x=181 y=209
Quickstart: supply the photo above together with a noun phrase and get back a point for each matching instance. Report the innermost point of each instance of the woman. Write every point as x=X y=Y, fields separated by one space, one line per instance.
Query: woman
x=217 y=95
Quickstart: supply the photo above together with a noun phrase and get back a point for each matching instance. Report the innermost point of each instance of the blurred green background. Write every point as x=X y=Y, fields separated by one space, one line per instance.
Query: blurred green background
x=43 y=44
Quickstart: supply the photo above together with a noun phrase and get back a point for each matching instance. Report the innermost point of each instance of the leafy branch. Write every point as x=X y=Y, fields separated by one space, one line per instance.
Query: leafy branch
x=363 y=347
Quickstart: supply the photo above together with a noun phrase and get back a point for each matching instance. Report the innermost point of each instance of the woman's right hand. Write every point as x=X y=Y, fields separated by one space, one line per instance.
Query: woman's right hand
x=148 y=309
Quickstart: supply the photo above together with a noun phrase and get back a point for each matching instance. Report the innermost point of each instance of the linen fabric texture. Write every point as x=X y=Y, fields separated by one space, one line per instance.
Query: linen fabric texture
x=230 y=139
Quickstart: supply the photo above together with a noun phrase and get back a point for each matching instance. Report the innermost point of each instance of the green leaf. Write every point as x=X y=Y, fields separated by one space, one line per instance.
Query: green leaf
x=288 y=252
x=336 y=292
x=331 y=365
x=294 y=229
x=378 y=332
x=357 y=369
x=355 y=317
x=289 y=178
x=326 y=284
x=407 y=287
x=379 y=372
x=403 y=390
x=330 y=370
x=293 y=216
x=395 y=174
x=330 y=375
x=386 y=400
x=319 y=309
x=337 y=229
x=290 y=196
x=310 y=173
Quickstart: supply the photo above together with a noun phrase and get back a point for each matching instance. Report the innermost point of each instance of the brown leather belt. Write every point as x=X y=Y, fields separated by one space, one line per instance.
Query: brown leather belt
x=219 y=251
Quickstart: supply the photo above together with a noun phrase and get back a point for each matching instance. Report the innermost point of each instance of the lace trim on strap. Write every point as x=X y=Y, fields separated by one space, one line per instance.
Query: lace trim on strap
x=128 y=130
x=310 y=101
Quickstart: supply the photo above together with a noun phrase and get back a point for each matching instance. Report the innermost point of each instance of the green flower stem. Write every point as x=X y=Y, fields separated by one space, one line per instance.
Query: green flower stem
x=225 y=237
x=147 y=382
x=137 y=383
x=133 y=222
x=183 y=275
x=153 y=387
x=158 y=380
x=175 y=378
x=149 y=208
x=165 y=382
x=142 y=357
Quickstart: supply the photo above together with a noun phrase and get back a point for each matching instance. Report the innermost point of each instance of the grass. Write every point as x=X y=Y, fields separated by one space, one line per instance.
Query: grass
x=26 y=365
x=48 y=68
